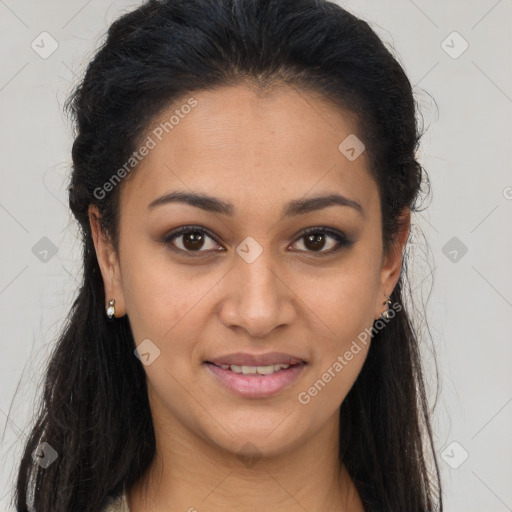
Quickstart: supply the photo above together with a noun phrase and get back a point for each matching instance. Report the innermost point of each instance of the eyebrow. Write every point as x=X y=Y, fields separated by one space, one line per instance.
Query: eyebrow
x=293 y=208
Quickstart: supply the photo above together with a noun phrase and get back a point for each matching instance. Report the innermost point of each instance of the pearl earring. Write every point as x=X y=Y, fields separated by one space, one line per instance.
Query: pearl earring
x=111 y=309
x=386 y=314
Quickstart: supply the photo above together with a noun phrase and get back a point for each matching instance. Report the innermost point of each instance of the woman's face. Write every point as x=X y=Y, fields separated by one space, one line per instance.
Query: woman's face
x=243 y=285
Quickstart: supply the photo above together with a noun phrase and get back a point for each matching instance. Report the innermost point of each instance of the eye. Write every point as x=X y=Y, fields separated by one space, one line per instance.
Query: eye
x=192 y=240
x=315 y=240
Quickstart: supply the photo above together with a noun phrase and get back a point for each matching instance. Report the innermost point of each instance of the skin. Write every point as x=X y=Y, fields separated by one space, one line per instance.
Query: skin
x=257 y=152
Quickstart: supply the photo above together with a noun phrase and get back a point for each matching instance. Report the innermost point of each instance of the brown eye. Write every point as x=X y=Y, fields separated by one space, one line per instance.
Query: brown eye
x=189 y=240
x=193 y=240
x=315 y=242
x=316 y=239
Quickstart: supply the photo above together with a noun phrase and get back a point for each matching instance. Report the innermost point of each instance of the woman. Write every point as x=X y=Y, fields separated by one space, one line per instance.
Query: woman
x=243 y=174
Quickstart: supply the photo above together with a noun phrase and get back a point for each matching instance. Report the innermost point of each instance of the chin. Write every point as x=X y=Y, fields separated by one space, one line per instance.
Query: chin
x=253 y=439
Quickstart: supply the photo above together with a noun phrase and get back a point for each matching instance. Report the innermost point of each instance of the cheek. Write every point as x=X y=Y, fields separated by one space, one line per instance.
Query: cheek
x=345 y=310
x=165 y=310
x=169 y=305
x=345 y=301
x=344 y=306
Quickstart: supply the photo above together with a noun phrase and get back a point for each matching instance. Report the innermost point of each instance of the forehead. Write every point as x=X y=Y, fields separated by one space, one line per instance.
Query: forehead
x=251 y=148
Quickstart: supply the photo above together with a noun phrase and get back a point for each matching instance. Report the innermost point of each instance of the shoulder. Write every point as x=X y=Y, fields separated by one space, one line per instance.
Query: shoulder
x=116 y=504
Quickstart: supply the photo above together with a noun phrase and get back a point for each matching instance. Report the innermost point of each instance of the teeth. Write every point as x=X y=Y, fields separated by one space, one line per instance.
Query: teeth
x=251 y=370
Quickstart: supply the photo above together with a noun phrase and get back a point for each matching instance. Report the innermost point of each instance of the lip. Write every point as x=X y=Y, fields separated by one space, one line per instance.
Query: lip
x=247 y=359
x=257 y=386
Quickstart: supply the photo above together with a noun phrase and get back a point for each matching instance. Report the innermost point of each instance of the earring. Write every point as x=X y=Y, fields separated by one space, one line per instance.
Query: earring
x=111 y=308
x=386 y=313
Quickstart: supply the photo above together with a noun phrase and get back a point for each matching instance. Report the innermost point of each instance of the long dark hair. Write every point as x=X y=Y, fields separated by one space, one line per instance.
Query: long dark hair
x=95 y=412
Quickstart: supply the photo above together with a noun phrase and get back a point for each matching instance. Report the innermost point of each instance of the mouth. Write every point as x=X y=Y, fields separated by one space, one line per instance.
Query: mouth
x=252 y=376
x=242 y=359
x=256 y=370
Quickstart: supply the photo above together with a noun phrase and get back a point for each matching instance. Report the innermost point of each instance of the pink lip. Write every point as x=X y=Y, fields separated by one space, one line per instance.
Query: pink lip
x=246 y=359
x=257 y=386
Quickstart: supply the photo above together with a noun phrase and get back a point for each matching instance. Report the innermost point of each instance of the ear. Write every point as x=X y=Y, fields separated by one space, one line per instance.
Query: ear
x=392 y=262
x=108 y=262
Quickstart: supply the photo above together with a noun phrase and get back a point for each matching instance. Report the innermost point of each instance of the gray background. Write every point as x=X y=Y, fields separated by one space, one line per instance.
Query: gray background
x=466 y=151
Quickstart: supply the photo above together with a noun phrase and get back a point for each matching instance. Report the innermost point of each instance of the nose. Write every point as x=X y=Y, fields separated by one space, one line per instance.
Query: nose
x=257 y=298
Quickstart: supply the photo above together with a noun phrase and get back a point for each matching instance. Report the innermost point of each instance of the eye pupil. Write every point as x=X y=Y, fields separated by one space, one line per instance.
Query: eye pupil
x=193 y=240
x=317 y=240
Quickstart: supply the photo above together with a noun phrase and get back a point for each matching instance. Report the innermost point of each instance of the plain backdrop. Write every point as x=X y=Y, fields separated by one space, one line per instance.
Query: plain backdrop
x=457 y=55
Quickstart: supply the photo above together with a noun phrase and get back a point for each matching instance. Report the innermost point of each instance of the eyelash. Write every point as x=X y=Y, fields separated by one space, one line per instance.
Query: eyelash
x=340 y=238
